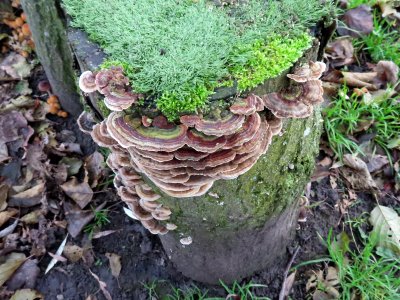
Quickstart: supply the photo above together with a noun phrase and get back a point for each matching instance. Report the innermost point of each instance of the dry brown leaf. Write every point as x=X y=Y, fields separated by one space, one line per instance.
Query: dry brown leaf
x=340 y=52
x=94 y=165
x=12 y=262
x=25 y=276
x=101 y=234
x=356 y=174
x=16 y=66
x=359 y=21
x=289 y=284
x=102 y=285
x=3 y=196
x=8 y=230
x=81 y=193
x=328 y=283
x=32 y=217
x=77 y=218
x=27 y=294
x=6 y=215
x=115 y=263
x=377 y=162
x=388 y=9
x=73 y=252
x=30 y=197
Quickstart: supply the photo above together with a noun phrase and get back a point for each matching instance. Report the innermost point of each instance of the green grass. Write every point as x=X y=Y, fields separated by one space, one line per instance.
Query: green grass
x=345 y=114
x=178 y=51
x=383 y=43
x=100 y=219
x=244 y=292
x=356 y=3
x=364 y=273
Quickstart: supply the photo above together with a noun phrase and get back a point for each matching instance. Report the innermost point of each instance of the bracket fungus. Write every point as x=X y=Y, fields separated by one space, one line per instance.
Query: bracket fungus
x=305 y=91
x=184 y=158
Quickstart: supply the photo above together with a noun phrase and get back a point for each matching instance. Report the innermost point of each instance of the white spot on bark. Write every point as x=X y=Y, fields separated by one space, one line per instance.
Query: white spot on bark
x=186 y=241
x=307 y=131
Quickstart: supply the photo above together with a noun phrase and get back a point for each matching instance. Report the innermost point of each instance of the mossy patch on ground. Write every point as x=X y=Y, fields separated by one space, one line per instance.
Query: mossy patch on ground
x=179 y=51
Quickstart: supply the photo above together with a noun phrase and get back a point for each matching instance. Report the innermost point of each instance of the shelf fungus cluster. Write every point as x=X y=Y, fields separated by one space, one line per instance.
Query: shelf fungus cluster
x=184 y=159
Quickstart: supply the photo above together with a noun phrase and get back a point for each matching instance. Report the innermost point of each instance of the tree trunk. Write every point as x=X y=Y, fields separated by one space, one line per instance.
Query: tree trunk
x=53 y=50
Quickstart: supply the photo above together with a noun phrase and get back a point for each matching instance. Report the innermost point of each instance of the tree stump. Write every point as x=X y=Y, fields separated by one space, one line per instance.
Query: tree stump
x=243 y=225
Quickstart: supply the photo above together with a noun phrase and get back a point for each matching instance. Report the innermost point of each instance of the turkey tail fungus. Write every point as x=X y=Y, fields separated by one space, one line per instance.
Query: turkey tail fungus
x=158 y=162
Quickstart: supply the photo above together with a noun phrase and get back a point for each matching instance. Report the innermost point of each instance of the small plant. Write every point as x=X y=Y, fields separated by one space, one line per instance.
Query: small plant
x=237 y=291
x=364 y=275
x=383 y=43
x=100 y=219
x=346 y=114
x=356 y=3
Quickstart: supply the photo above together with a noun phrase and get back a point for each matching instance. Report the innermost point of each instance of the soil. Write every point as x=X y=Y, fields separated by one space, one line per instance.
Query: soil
x=144 y=261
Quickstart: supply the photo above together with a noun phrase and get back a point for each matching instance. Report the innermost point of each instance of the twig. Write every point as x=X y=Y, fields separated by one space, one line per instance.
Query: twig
x=282 y=293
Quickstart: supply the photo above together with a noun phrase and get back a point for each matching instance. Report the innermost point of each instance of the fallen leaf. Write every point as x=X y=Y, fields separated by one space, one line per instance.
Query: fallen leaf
x=358 y=20
x=12 y=262
x=6 y=215
x=340 y=52
x=27 y=294
x=388 y=9
x=325 y=286
x=73 y=252
x=30 y=197
x=73 y=164
x=115 y=263
x=289 y=284
x=102 y=285
x=59 y=251
x=58 y=257
x=101 y=234
x=356 y=173
x=69 y=148
x=377 y=162
x=3 y=196
x=8 y=230
x=32 y=217
x=386 y=223
x=16 y=66
x=94 y=165
x=25 y=276
x=77 y=218
x=81 y=193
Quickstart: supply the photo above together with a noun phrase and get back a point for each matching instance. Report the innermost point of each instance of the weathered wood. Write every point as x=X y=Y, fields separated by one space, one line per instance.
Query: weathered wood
x=53 y=50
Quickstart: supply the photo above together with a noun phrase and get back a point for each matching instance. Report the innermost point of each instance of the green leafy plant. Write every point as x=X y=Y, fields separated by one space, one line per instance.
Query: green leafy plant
x=245 y=291
x=346 y=113
x=363 y=274
x=100 y=219
x=356 y=3
x=383 y=43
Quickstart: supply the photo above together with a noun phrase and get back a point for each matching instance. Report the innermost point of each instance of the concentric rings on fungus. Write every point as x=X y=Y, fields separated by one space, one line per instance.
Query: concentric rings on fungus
x=185 y=159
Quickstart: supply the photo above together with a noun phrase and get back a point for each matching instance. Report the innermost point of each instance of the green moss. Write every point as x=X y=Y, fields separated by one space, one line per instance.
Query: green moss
x=267 y=59
x=177 y=51
x=171 y=105
x=105 y=112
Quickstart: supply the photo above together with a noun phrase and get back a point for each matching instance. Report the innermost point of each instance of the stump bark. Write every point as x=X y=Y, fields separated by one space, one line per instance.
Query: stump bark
x=53 y=50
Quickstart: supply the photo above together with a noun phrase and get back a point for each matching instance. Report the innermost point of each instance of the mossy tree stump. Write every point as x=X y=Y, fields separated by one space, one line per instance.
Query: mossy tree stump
x=239 y=226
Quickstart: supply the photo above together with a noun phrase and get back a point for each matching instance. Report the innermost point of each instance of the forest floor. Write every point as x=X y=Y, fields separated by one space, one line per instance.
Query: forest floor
x=50 y=173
